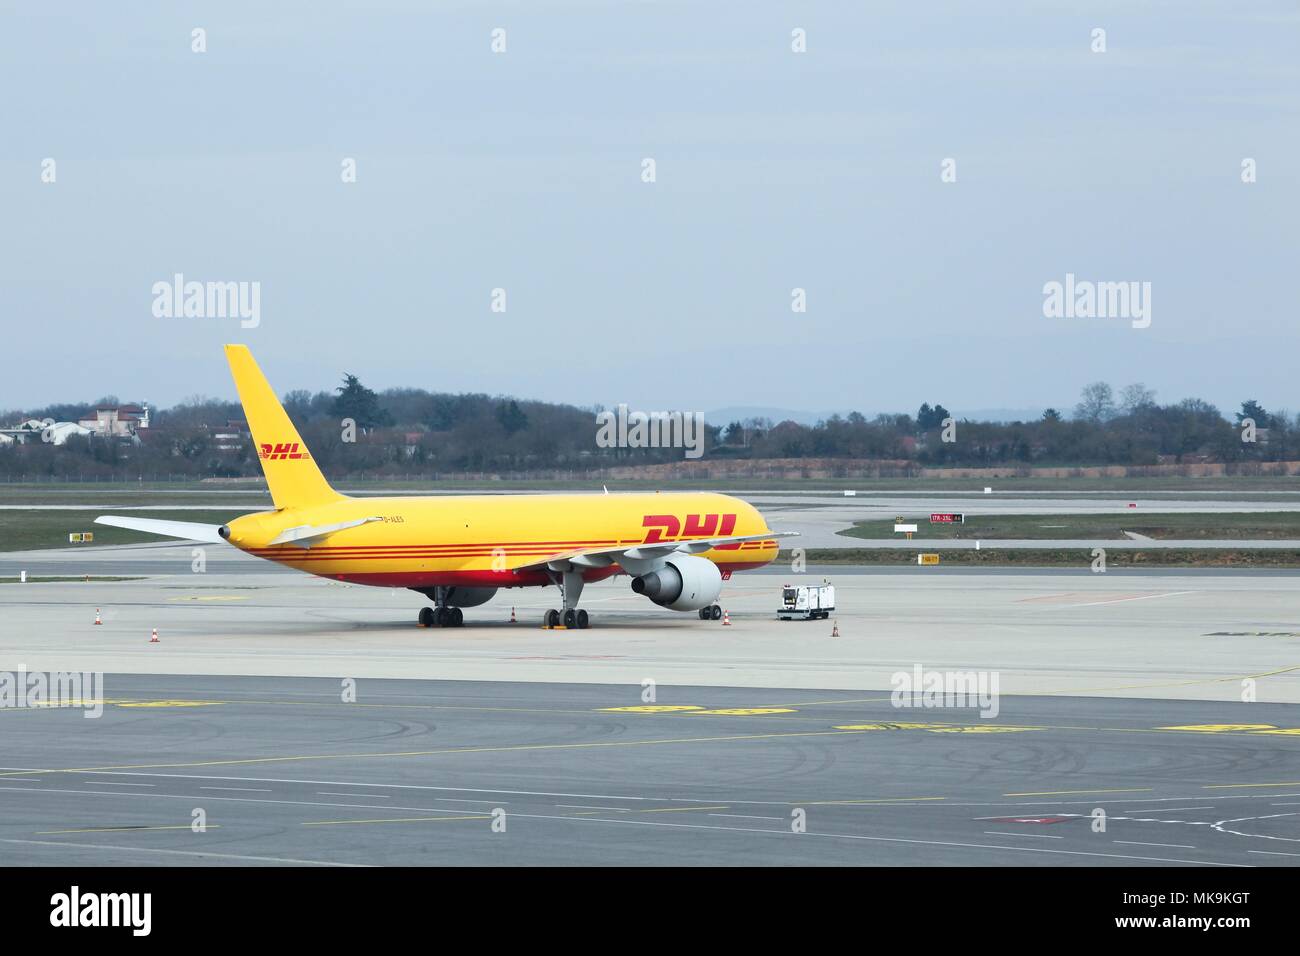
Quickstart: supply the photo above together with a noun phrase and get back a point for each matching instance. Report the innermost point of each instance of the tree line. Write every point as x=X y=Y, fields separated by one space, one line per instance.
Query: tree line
x=353 y=430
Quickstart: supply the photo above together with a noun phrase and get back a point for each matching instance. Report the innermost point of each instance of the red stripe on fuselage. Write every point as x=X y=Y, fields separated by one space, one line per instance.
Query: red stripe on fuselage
x=490 y=579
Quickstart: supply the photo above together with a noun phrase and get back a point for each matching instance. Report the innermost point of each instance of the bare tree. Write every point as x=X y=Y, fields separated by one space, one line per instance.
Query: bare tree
x=1136 y=396
x=1096 y=403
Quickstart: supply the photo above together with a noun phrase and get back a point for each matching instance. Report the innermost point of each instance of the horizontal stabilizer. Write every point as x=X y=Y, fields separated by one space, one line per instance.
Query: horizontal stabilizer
x=189 y=530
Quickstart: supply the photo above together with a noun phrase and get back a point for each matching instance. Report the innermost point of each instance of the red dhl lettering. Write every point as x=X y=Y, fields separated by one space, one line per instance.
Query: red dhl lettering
x=669 y=527
x=281 y=450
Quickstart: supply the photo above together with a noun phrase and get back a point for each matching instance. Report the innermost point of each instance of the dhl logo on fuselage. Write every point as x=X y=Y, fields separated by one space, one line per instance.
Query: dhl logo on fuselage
x=282 y=450
x=669 y=528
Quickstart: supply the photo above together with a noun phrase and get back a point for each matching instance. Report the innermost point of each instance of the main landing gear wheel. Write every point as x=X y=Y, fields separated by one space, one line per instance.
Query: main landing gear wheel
x=711 y=613
x=441 y=617
x=572 y=619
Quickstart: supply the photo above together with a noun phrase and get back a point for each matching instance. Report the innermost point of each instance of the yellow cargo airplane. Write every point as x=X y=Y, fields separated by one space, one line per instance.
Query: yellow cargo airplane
x=457 y=551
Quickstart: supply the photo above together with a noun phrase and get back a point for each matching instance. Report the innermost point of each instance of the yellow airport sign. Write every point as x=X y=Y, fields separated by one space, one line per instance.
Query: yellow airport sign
x=927 y=559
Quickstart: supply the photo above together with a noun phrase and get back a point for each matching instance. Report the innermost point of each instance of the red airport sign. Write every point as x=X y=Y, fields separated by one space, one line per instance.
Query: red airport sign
x=947 y=518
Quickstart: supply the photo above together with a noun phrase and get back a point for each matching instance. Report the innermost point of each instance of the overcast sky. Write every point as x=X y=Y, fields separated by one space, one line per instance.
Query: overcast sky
x=774 y=170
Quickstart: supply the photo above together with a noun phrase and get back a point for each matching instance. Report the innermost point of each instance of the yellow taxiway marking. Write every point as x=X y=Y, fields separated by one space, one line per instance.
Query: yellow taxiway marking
x=335 y=823
x=1229 y=786
x=1281 y=731
x=1220 y=728
x=943 y=728
x=72 y=702
x=246 y=761
x=854 y=700
x=211 y=597
x=696 y=709
x=167 y=703
x=652 y=708
x=1183 y=683
x=683 y=809
x=981 y=729
x=590 y=813
x=179 y=826
x=889 y=726
x=847 y=803
x=123 y=703
x=1057 y=793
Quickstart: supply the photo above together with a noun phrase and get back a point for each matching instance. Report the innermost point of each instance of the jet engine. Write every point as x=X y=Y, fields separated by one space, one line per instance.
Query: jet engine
x=684 y=583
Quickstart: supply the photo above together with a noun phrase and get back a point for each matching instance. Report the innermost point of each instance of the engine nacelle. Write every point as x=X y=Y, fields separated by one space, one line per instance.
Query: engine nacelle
x=469 y=597
x=459 y=596
x=684 y=583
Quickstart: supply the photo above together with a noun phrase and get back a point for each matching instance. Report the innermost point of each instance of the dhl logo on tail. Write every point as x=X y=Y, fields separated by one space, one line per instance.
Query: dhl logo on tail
x=282 y=450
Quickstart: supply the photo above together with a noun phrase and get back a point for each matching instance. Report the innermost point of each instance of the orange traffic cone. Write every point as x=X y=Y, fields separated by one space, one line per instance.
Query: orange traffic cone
x=726 y=618
x=98 y=619
x=512 y=614
x=154 y=637
x=835 y=628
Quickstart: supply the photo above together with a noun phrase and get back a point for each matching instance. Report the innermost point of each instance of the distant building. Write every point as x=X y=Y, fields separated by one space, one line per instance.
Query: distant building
x=233 y=436
x=34 y=430
x=117 y=421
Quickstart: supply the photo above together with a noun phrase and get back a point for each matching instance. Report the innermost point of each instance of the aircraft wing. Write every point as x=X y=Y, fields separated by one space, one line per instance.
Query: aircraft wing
x=604 y=557
x=189 y=530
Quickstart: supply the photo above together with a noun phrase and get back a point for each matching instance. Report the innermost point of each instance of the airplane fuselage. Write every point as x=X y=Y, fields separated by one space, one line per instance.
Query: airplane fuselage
x=475 y=540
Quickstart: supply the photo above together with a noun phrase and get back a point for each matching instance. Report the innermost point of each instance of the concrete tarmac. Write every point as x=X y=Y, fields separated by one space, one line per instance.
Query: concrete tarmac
x=284 y=771
x=653 y=737
x=1205 y=636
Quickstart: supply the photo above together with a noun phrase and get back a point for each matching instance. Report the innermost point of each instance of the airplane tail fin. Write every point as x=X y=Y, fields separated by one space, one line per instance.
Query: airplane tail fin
x=292 y=476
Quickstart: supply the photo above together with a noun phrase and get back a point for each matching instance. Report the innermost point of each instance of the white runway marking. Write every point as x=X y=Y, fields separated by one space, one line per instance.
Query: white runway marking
x=198 y=853
x=108 y=783
x=1031 y=836
x=291 y=803
x=1138 y=597
x=625 y=821
x=332 y=793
